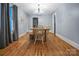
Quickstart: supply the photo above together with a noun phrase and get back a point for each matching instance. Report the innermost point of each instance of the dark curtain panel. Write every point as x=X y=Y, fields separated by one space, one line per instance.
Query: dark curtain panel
x=7 y=22
x=0 y=20
x=4 y=37
x=15 y=23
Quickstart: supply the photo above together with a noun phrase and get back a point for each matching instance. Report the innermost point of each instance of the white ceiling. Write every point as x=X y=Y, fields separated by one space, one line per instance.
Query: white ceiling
x=32 y=8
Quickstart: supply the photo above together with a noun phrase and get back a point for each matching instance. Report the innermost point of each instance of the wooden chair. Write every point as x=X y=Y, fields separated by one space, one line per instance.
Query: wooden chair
x=39 y=35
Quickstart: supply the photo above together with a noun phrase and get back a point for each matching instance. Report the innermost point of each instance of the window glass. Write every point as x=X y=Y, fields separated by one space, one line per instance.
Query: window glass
x=11 y=17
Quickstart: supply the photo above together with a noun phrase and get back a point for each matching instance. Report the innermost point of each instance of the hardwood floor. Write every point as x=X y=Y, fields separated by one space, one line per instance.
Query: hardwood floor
x=54 y=46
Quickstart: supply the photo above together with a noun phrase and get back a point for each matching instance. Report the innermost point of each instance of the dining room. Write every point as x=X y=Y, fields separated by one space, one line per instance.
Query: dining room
x=41 y=29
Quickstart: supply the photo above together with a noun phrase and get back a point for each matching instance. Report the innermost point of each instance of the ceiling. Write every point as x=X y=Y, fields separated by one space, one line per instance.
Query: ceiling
x=32 y=8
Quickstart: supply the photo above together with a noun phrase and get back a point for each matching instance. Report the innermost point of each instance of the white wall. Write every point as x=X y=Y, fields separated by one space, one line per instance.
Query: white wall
x=45 y=20
x=67 y=21
x=22 y=21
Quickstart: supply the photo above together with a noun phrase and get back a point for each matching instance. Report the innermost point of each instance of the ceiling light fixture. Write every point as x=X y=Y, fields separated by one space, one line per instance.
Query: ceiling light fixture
x=38 y=8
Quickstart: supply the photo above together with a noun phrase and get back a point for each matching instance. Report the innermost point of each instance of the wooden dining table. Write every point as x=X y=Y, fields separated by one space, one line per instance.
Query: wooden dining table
x=45 y=32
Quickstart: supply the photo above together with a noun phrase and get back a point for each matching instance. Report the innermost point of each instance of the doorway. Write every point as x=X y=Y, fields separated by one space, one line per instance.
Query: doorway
x=54 y=24
x=35 y=22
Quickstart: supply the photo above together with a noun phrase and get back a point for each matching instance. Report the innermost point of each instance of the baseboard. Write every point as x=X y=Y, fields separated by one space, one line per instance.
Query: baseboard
x=72 y=43
x=22 y=34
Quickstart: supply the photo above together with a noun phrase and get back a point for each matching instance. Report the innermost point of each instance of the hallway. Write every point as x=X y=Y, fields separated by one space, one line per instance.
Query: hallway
x=55 y=47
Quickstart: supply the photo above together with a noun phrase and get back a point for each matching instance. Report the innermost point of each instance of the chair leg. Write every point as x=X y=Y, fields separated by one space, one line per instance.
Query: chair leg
x=42 y=41
x=35 y=40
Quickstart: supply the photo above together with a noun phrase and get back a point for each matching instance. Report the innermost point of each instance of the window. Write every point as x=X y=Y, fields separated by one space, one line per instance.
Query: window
x=11 y=17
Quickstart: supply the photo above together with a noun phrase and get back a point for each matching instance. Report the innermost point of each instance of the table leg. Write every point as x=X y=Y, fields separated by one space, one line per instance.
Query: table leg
x=45 y=37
